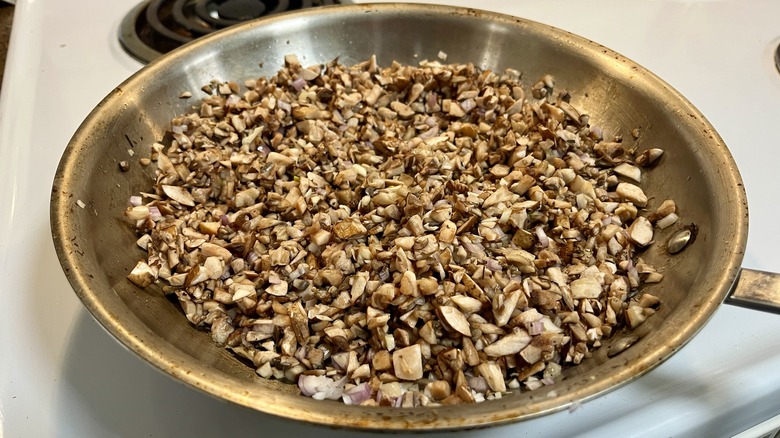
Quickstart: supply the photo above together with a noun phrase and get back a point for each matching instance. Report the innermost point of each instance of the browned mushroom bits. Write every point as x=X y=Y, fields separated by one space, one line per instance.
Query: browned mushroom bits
x=406 y=236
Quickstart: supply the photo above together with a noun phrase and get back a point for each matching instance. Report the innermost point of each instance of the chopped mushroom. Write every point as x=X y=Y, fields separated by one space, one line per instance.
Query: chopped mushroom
x=641 y=231
x=492 y=373
x=401 y=236
x=629 y=171
x=142 y=275
x=509 y=344
x=454 y=319
x=407 y=363
x=633 y=193
x=179 y=194
x=587 y=287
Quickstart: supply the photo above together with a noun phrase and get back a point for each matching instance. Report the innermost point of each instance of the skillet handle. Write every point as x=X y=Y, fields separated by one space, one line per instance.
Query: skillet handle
x=757 y=290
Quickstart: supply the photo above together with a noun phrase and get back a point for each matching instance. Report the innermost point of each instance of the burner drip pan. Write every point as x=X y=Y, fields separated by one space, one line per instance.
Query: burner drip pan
x=156 y=27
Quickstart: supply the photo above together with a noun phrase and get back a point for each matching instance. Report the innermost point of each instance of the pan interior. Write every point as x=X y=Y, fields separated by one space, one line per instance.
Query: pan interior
x=97 y=246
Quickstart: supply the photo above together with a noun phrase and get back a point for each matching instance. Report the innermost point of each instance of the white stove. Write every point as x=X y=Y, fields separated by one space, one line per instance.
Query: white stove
x=62 y=375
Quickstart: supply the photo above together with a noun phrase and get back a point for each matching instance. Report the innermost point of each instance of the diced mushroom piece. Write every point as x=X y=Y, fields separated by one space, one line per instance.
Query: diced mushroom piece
x=221 y=329
x=587 y=287
x=192 y=311
x=213 y=250
x=279 y=159
x=310 y=112
x=666 y=208
x=362 y=372
x=177 y=280
x=278 y=290
x=491 y=371
x=321 y=237
x=403 y=110
x=649 y=157
x=455 y=110
x=500 y=170
x=409 y=284
x=383 y=295
x=376 y=318
x=556 y=275
x=179 y=194
x=300 y=323
x=648 y=300
x=464 y=393
x=349 y=228
x=502 y=194
x=503 y=312
x=473 y=289
x=213 y=267
x=359 y=285
x=427 y=285
x=406 y=242
x=246 y=197
x=632 y=193
x=382 y=360
x=415 y=92
x=242 y=290
x=310 y=73
x=385 y=198
x=583 y=186
x=524 y=260
x=196 y=275
x=454 y=319
x=447 y=232
x=635 y=315
x=439 y=389
x=570 y=111
x=629 y=171
x=407 y=363
x=441 y=213
x=291 y=61
x=428 y=333
x=509 y=344
x=531 y=353
x=209 y=227
x=641 y=231
x=142 y=275
x=143 y=241
x=415 y=225
x=339 y=337
x=165 y=166
x=279 y=256
x=425 y=246
x=467 y=304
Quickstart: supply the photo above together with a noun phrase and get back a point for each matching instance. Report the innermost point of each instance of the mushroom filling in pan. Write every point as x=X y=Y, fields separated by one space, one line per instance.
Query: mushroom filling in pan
x=400 y=236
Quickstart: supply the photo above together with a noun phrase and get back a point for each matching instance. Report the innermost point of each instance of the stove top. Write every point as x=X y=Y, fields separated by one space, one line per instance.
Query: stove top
x=62 y=375
x=156 y=27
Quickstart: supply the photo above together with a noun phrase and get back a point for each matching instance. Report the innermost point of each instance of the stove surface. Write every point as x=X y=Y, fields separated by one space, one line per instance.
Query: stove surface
x=62 y=375
x=156 y=27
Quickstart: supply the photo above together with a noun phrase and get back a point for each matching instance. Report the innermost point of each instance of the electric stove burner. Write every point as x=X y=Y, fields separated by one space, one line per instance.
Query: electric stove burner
x=156 y=27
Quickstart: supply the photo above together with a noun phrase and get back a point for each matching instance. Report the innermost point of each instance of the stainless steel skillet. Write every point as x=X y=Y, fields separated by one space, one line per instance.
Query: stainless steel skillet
x=96 y=247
